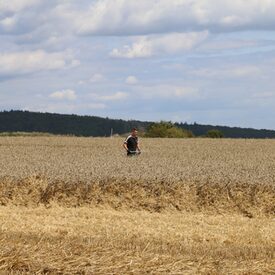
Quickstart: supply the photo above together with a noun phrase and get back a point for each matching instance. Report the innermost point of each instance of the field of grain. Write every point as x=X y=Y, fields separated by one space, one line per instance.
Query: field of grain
x=191 y=206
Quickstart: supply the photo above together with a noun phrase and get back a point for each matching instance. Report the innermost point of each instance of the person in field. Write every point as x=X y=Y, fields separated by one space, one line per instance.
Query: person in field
x=131 y=143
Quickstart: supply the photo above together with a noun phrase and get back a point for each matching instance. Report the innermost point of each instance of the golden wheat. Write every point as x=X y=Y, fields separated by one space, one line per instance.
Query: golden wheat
x=185 y=206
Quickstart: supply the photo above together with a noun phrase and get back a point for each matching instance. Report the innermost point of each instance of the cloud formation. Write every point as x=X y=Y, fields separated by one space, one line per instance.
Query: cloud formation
x=26 y=16
x=131 y=80
x=17 y=63
x=230 y=72
x=110 y=97
x=162 y=44
x=168 y=92
x=13 y=6
x=131 y=17
x=96 y=78
x=64 y=94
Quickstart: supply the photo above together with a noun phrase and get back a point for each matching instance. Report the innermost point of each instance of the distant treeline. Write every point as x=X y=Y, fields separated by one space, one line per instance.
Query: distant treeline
x=229 y=132
x=24 y=121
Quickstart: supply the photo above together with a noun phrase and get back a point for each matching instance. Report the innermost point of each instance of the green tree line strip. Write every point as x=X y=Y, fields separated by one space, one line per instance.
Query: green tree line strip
x=59 y=124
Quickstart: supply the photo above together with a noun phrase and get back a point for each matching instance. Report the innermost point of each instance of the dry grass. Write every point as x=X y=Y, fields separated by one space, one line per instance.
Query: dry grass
x=79 y=206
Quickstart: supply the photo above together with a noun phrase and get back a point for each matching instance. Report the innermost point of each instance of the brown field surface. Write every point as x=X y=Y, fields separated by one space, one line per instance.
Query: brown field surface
x=184 y=206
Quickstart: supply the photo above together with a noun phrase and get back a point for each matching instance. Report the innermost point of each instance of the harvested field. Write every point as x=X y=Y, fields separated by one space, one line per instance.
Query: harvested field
x=190 y=206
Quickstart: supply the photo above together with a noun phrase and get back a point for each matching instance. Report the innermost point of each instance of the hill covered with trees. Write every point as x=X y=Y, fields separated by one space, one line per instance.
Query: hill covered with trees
x=228 y=132
x=24 y=121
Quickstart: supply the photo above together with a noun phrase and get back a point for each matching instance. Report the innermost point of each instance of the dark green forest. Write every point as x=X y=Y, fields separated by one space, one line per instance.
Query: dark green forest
x=25 y=121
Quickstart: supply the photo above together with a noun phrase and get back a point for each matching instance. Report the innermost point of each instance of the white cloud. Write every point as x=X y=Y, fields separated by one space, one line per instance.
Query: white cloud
x=183 y=92
x=230 y=71
x=245 y=71
x=64 y=107
x=139 y=49
x=112 y=97
x=64 y=95
x=32 y=61
x=160 y=44
x=16 y=5
x=96 y=78
x=131 y=80
x=170 y=92
x=23 y=16
x=8 y=23
x=131 y=17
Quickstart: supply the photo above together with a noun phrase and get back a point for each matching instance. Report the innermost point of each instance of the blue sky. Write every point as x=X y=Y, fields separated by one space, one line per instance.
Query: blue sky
x=206 y=61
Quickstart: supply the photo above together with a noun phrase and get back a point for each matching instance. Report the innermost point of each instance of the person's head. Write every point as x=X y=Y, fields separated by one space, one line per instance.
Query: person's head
x=134 y=132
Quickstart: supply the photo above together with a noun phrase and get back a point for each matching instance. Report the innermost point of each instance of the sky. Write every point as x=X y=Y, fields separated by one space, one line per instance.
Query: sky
x=203 y=61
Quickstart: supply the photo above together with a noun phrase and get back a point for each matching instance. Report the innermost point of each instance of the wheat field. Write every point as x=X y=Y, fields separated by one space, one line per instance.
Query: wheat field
x=184 y=206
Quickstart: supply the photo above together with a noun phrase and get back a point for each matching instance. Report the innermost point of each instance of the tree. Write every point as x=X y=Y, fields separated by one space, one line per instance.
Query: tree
x=167 y=130
x=214 y=133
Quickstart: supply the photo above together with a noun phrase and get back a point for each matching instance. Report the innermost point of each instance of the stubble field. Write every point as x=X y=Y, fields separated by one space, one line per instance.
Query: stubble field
x=191 y=206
